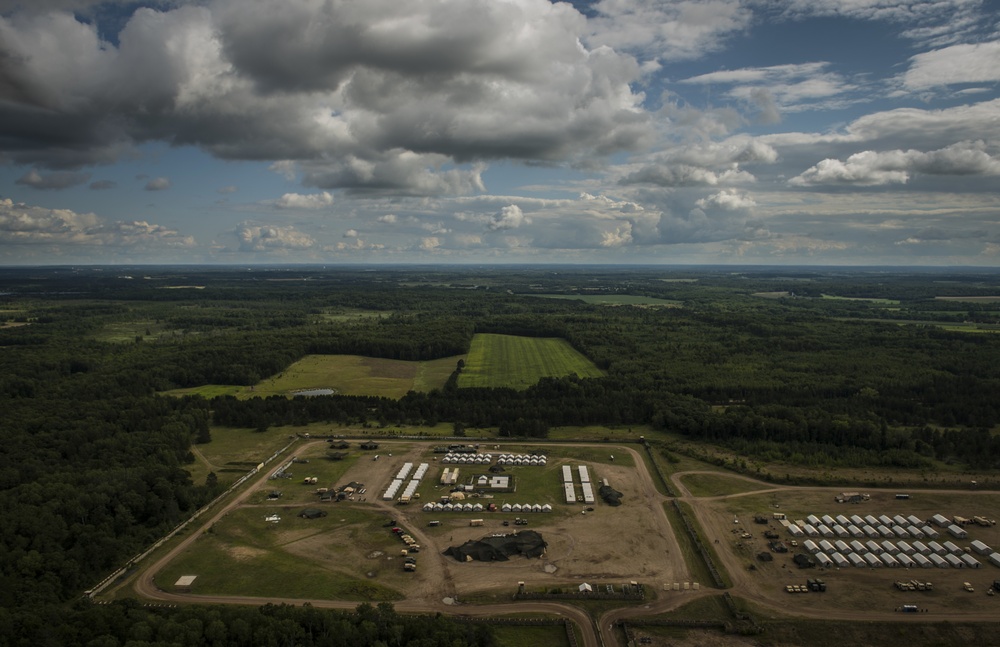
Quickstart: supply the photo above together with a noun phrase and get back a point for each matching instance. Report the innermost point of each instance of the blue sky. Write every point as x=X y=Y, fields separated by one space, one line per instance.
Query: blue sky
x=832 y=132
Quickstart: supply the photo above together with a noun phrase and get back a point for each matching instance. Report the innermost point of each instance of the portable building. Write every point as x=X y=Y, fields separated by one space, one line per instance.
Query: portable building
x=869 y=531
x=941 y=520
x=537 y=507
x=921 y=548
x=825 y=530
x=842 y=546
x=840 y=560
x=813 y=520
x=811 y=546
x=954 y=561
x=855 y=531
x=828 y=520
x=981 y=548
x=957 y=532
x=584 y=474
x=516 y=507
x=871 y=520
x=937 y=548
x=915 y=532
x=810 y=530
x=843 y=520
x=546 y=507
x=900 y=531
x=885 y=519
x=885 y=531
x=922 y=561
x=888 y=546
x=588 y=492
x=823 y=560
x=929 y=531
x=952 y=548
x=570 y=492
x=795 y=531
x=889 y=560
x=872 y=560
x=938 y=561
x=857 y=560
x=905 y=547
x=857 y=520
x=505 y=507
x=567 y=474
x=784 y=522
x=449 y=507
x=994 y=559
x=905 y=560
x=970 y=561
x=840 y=531
x=826 y=546
x=873 y=546
x=915 y=520
x=857 y=546
x=900 y=520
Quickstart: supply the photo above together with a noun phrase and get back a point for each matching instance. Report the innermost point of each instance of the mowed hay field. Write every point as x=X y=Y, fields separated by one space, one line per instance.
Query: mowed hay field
x=519 y=362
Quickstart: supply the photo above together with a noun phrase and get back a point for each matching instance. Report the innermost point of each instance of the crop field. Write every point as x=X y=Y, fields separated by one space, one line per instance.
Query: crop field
x=519 y=362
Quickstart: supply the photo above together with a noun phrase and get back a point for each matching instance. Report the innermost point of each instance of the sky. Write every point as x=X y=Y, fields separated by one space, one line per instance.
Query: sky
x=828 y=132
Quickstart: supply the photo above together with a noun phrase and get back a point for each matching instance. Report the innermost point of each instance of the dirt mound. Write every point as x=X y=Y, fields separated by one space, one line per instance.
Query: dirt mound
x=610 y=495
x=499 y=548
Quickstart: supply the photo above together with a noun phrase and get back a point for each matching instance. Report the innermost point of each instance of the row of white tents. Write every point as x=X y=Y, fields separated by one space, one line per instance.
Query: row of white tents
x=946 y=555
x=522 y=459
x=468 y=459
x=478 y=507
x=856 y=531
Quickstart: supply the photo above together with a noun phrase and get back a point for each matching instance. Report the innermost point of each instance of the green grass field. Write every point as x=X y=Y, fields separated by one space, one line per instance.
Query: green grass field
x=519 y=362
x=614 y=299
x=717 y=485
x=530 y=636
x=345 y=374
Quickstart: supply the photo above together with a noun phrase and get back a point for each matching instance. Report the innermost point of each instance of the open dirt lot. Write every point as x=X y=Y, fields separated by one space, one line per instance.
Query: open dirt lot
x=608 y=544
x=850 y=590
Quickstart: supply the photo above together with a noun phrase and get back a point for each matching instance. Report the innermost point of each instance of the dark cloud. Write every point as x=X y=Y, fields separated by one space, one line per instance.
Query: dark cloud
x=57 y=180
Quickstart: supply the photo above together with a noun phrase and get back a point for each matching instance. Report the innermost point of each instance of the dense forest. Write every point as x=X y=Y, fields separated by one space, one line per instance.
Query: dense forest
x=828 y=368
